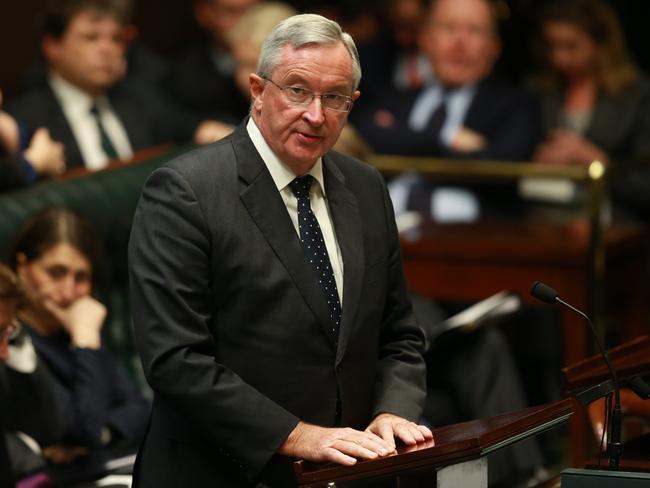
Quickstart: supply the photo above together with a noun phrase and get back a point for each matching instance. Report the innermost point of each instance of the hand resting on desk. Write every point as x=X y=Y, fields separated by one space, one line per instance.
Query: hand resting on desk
x=345 y=445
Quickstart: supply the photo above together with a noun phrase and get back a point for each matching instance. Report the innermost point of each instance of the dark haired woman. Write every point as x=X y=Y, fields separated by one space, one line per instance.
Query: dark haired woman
x=53 y=255
x=596 y=104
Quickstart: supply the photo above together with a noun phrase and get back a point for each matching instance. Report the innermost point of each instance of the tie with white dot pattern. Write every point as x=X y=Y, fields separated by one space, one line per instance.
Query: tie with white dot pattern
x=313 y=245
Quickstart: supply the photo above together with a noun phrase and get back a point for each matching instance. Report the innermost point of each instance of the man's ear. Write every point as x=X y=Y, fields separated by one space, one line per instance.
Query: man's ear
x=257 y=85
x=50 y=47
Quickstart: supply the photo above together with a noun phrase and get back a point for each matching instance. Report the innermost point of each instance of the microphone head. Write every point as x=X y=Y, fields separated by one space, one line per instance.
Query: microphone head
x=543 y=292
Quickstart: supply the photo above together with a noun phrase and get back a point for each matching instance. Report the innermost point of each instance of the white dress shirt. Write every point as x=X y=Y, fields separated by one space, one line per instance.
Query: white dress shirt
x=282 y=176
x=76 y=105
x=458 y=102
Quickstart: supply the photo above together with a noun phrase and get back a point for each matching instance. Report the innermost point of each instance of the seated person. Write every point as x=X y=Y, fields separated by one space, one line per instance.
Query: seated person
x=30 y=415
x=471 y=375
x=20 y=166
x=104 y=412
x=595 y=101
x=86 y=102
x=465 y=112
x=393 y=54
x=202 y=79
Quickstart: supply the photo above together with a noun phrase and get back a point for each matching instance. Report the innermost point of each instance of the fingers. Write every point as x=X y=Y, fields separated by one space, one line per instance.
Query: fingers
x=390 y=426
x=426 y=432
x=408 y=433
x=385 y=431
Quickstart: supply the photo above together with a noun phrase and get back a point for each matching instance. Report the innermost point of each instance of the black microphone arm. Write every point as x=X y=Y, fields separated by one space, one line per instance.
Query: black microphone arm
x=614 y=444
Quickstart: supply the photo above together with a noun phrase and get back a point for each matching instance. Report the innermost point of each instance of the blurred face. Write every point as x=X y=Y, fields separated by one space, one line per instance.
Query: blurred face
x=300 y=134
x=218 y=17
x=571 y=50
x=405 y=18
x=7 y=325
x=460 y=41
x=62 y=275
x=90 y=54
x=246 y=56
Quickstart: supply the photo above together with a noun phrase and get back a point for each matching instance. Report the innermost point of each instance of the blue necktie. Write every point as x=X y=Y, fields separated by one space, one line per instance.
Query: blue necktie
x=315 y=250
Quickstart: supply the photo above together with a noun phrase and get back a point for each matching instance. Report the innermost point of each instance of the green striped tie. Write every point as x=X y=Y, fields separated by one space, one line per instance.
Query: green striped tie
x=107 y=145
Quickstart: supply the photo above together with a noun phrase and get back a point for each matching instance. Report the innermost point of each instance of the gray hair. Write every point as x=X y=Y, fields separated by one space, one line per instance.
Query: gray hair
x=304 y=30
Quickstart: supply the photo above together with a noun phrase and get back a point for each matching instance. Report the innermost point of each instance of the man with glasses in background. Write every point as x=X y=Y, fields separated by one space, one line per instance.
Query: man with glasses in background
x=269 y=298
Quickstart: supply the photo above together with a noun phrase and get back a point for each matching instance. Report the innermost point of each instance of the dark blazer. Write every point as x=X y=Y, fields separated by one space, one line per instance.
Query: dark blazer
x=148 y=118
x=621 y=127
x=507 y=117
x=232 y=326
x=12 y=174
x=93 y=392
x=196 y=84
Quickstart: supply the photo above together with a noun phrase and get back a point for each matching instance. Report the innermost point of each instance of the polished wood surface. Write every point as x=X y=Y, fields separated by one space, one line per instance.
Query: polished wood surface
x=453 y=444
x=628 y=359
x=469 y=262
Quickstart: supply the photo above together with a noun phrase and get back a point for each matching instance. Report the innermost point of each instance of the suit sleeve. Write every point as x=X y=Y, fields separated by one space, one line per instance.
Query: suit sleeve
x=401 y=372
x=514 y=137
x=171 y=289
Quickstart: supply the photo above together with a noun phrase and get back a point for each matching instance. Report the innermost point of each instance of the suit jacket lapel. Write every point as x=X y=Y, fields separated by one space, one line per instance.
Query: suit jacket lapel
x=265 y=206
x=60 y=129
x=348 y=228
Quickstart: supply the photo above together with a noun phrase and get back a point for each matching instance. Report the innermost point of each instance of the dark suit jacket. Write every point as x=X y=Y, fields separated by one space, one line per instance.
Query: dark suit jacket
x=196 y=84
x=148 y=118
x=12 y=175
x=507 y=117
x=92 y=392
x=232 y=326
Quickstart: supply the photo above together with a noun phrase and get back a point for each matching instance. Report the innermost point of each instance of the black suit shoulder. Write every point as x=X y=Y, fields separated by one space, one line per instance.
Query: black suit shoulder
x=195 y=83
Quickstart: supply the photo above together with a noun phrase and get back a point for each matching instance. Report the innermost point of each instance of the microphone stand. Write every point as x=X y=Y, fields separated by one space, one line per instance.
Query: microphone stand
x=614 y=443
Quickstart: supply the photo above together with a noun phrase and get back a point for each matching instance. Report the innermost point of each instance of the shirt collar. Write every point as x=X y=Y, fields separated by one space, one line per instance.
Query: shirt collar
x=74 y=99
x=280 y=173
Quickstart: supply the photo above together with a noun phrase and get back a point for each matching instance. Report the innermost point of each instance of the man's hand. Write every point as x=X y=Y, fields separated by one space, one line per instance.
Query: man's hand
x=46 y=156
x=467 y=140
x=63 y=454
x=211 y=131
x=337 y=445
x=389 y=426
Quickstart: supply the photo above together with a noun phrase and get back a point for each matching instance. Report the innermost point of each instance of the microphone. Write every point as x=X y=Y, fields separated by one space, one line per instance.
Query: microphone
x=614 y=444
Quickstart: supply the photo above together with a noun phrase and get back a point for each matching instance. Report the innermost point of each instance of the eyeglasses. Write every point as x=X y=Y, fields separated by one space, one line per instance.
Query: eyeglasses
x=303 y=96
x=10 y=332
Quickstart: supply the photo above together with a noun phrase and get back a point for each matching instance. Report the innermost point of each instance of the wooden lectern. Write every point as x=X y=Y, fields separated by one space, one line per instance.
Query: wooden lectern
x=457 y=459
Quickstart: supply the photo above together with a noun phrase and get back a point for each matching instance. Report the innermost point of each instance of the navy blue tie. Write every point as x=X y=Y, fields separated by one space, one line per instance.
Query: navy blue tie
x=315 y=250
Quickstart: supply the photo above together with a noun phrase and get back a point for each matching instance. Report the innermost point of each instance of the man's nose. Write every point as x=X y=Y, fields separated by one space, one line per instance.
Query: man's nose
x=314 y=112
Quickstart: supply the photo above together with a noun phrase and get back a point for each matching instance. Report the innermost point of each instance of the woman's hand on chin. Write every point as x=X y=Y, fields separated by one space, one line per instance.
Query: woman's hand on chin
x=83 y=320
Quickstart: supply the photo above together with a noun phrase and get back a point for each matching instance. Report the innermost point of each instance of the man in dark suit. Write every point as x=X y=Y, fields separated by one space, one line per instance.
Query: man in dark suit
x=465 y=111
x=202 y=79
x=269 y=300
x=86 y=102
